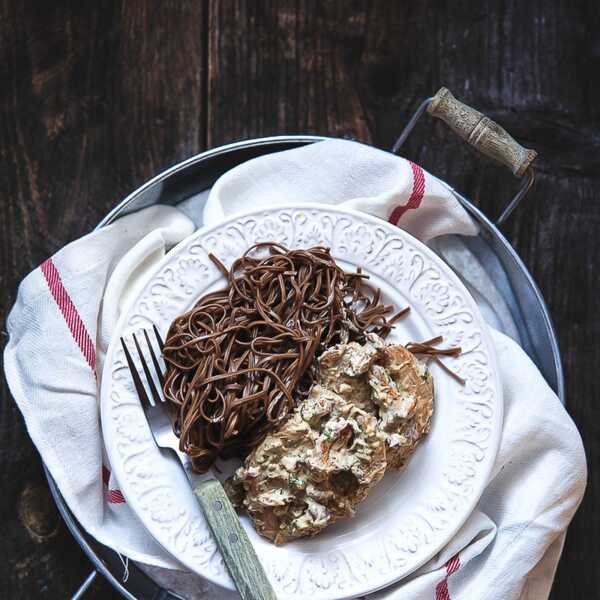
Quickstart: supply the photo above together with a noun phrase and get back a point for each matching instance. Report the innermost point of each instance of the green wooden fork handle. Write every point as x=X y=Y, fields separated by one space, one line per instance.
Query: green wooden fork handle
x=233 y=542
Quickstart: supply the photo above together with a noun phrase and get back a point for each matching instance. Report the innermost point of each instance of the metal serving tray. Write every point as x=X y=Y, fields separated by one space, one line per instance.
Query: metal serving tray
x=190 y=177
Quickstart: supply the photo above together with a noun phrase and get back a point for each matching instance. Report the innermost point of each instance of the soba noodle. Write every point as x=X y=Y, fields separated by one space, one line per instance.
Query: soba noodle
x=240 y=359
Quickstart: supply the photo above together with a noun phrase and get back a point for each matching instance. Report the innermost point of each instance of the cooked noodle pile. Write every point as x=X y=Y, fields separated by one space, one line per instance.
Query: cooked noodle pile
x=242 y=356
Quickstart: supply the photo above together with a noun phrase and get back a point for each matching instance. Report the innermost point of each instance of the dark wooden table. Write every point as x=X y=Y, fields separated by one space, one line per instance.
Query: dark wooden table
x=96 y=97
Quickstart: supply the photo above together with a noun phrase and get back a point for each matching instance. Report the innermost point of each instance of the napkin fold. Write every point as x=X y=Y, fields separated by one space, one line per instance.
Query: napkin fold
x=347 y=173
x=66 y=311
x=59 y=330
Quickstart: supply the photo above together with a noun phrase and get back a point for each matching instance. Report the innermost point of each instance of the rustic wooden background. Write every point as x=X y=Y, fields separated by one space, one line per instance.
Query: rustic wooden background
x=96 y=97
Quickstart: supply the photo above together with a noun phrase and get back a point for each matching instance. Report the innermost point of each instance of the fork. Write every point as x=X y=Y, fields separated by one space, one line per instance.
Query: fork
x=233 y=542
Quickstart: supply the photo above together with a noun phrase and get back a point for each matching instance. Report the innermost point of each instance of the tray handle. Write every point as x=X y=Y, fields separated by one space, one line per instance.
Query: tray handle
x=481 y=132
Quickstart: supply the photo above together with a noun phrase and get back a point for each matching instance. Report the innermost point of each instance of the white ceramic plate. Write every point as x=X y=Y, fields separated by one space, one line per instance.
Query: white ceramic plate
x=410 y=515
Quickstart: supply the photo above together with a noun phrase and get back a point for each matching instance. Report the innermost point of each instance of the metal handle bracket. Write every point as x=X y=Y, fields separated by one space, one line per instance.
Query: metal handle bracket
x=483 y=134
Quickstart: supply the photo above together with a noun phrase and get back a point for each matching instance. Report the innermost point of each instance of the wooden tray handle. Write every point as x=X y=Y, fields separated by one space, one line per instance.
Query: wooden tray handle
x=481 y=132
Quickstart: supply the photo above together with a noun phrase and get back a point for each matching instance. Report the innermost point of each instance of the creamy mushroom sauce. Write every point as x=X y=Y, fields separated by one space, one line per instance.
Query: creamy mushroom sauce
x=367 y=412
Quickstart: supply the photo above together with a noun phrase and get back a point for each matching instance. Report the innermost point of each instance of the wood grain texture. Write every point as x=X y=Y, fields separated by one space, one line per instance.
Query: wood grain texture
x=233 y=542
x=98 y=96
x=95 y=98
x=485 y=135
x=360 y=69
x=284 y=67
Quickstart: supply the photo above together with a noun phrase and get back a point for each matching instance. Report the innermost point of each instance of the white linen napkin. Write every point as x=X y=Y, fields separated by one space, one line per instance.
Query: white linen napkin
x=66 y=310
x=59 y=330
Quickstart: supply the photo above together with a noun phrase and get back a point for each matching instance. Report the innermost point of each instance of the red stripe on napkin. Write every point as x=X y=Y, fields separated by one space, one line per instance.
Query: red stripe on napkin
x=112 y=496
x=418 y=191
x=70 y=313
x=82 y=338
x=453 y=565
x=441 y=590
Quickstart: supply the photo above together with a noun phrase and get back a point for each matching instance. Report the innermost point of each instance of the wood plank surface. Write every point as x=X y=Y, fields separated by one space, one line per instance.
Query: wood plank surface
x=360 y=69
x=96 y=97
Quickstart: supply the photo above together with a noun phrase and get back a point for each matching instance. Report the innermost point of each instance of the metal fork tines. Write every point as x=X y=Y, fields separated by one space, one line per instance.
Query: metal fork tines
x=233 y=542
x=150 y=394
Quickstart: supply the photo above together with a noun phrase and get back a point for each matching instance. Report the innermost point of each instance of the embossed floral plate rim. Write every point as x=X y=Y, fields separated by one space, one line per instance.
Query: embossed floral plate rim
x=355 y=562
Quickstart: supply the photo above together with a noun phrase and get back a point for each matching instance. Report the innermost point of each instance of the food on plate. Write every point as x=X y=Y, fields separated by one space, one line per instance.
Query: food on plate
x=343 y=368
x=371 y=406
x=403 y=392
x=287 y=368
x=388 y=381
x=314 y=469
x=243 y=356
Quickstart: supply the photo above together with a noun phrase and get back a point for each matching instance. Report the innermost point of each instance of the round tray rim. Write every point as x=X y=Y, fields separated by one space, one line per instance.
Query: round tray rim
x=273 y=141
x=308 y=139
